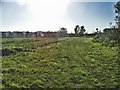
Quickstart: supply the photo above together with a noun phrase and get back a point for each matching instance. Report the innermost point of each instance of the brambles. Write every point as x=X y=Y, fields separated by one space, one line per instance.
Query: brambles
x=108 y=37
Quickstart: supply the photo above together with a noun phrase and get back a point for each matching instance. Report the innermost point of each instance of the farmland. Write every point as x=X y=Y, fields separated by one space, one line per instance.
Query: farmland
x=58 y=63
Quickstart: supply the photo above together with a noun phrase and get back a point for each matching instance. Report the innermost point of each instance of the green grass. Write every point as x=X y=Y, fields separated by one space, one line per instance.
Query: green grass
x=58 y=63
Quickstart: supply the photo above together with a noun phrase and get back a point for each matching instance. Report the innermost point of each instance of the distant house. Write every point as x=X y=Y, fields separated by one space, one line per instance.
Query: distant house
x=4 y=34
x=33 y=34
x=40 y=34
x=50 y=34
x=18 y=34
x=27 y=34
x=7 y=35
x=47 y=34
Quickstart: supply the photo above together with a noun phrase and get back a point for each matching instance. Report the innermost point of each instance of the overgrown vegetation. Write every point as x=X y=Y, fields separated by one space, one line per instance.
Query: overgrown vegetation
x=58 y=63
x=111 y=36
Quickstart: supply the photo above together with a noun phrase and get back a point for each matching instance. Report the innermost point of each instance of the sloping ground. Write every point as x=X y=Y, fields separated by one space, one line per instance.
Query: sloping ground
x=71 y=62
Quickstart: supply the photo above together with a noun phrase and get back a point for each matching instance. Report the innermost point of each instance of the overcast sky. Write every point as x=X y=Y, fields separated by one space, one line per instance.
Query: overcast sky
x=44 y=15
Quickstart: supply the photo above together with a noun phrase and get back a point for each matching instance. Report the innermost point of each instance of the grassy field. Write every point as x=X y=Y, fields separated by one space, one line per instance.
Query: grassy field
x=58 y=63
